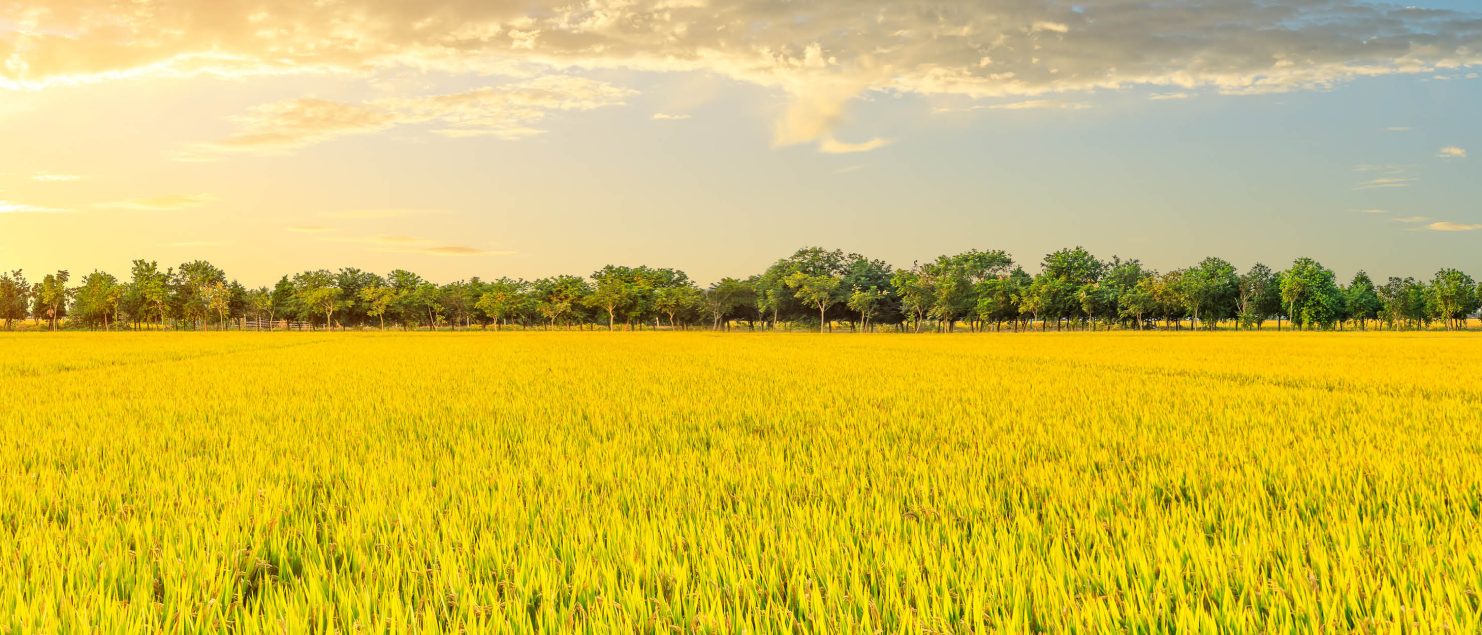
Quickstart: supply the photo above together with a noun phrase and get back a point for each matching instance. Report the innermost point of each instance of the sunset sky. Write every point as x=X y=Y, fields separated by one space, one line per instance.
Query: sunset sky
x=474 y=137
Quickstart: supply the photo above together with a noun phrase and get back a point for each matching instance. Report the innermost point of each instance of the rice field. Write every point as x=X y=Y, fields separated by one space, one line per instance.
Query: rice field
x=714 y=483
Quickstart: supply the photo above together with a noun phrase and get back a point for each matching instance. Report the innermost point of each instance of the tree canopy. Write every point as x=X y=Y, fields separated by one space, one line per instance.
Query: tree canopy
x=817 y=288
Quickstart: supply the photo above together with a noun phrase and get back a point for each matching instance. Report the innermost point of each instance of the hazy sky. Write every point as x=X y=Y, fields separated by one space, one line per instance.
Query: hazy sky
x=478 y=137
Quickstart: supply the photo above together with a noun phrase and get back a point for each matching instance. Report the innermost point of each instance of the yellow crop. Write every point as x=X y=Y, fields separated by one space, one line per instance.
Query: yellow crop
x=673 y=482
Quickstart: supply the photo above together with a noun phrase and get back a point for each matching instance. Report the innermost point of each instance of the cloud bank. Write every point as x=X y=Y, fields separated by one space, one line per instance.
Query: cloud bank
x=402 y=244
x=1448 y=226
x=165 y=203
x=504 y=112
x=820 y=55
x=13 y=207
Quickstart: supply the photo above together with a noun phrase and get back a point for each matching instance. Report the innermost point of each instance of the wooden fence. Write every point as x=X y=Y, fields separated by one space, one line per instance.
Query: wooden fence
x=279 y=325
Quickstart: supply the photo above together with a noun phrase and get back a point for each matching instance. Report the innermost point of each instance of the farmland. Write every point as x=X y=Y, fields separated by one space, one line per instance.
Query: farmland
x=704 y=482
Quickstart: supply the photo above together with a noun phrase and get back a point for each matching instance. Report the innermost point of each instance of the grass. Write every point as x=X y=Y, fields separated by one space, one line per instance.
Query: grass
x=697 y=482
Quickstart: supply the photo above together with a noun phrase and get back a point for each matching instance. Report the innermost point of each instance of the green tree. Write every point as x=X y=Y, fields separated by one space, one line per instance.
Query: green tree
x=218 y=298
x=459 y=301
x=1050 y=297
x=1124 y=274
x=1140 y=302
x=1075 y=265
x=376 y=300
x=355 y=308
x=998 y=298
x=775 y=296
x=1311 y=295
x=502 y=300
x=426 y=301
x=1405 y=303
x=405 y=307
x=866 y=302
x=1452 y=297
x=1168 y=294
x=1099 y=302
x=647 y=282
x=96 y=302
x=861 y=273
x=1362 y=300
x=190 y=283
x=237 y=300
x=816 y=291
x=259 y=303
x=724 y=297
x=1259 y=297
x=15 y=295
x=149 y=291
x=51 y=298
x=614 y=290
x=675 y=301
x=1120 y=279
x=1056 y=291
x=317 y=291
x=952 y=281
x=557 y=298
x=916 y=297
x=1210 y=291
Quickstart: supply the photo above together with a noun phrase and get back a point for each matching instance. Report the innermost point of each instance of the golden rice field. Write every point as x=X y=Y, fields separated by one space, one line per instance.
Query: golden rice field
x=672 y=482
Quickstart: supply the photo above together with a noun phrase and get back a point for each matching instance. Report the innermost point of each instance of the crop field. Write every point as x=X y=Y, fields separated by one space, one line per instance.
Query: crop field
x=741 y=483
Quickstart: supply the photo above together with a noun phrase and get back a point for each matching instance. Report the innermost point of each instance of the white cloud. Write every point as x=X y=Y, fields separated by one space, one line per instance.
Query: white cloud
x=664 y=116
x=288 y=125
x=1386 y=176
x=1026 y=104
x=1041 y=104
x=1448 y=226
x=1453 y=152
x=402 y=244
x=46 y=177
x=1411 y=219
x=1385 y=182
x=830 y=145
x=11 y=207
x=165 y=203
x=821 y=55
x=383 y=214
x=508 y=111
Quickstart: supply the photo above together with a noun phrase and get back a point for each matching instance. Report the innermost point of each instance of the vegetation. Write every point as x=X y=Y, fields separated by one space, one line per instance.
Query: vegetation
x=575 y=482
x=811 y=289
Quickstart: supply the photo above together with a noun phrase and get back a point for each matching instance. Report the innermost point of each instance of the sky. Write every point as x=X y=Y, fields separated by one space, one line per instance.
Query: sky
x=461 y=138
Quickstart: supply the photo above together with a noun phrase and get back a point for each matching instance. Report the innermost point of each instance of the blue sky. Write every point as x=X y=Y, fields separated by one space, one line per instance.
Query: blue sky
x=632 y=139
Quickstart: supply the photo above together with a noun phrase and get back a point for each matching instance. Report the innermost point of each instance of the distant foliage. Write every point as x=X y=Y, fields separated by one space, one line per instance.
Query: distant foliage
x=813 y=289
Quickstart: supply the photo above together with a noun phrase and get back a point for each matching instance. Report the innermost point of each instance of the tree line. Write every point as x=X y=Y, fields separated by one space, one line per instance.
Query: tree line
x=814 y=288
